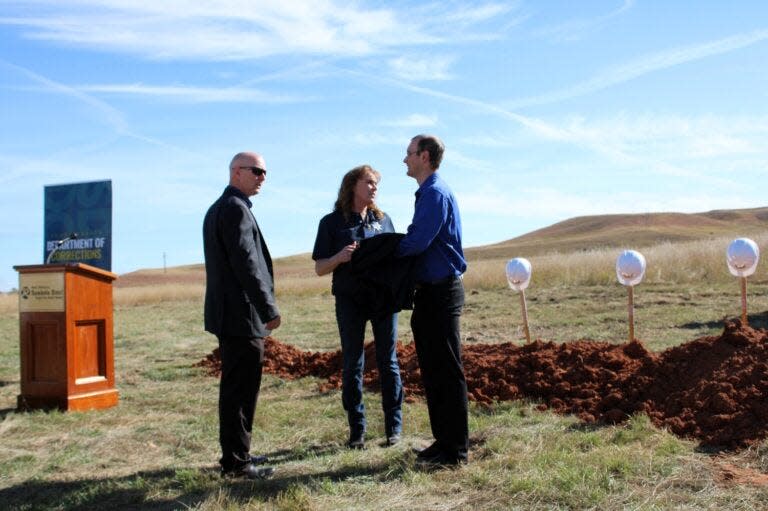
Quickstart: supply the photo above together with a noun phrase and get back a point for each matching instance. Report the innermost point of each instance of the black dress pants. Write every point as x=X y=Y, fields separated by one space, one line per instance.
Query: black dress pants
x=241 y=363
x=435 y=324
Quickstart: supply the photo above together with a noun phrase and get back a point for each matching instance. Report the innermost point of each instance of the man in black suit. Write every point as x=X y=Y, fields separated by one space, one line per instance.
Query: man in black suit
x=240 y=310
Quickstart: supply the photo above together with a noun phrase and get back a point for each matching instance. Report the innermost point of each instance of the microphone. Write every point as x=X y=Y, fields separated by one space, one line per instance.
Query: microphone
x=59 y=243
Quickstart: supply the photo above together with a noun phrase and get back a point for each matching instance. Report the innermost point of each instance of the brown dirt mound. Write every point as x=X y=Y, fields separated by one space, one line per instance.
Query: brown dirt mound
x=712 y=389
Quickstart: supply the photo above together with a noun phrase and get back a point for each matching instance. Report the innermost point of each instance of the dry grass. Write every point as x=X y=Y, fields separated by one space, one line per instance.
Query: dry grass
x=689 y=262
x=128 y=296
x=679 y=248
x=9 y=303
x=701 y=261
x=638 y=231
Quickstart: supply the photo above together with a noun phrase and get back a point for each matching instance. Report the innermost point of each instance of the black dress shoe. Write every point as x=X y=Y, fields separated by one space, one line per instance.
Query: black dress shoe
x=441 y=460
x=429 y=452
x=259 y=459
x=249 y=471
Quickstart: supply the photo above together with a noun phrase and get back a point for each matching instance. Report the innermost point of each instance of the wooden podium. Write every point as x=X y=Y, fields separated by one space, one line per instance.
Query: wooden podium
x=65 y=330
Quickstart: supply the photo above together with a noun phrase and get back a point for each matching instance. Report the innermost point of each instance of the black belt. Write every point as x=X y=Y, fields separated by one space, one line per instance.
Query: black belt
x=440 y=282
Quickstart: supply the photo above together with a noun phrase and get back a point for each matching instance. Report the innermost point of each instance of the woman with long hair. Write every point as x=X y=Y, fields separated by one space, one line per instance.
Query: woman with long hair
x=355 y=217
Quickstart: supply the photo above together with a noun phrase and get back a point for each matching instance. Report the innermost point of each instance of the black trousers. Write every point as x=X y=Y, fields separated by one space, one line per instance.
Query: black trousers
x=241 y=363
x=435 y=324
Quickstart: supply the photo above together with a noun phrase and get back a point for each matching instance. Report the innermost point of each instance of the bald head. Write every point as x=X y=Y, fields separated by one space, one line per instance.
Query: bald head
x=247 y=171
x=246 y=159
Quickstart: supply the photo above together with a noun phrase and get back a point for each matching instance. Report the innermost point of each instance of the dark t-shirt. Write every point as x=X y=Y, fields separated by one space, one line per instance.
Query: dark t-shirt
x=335 y=233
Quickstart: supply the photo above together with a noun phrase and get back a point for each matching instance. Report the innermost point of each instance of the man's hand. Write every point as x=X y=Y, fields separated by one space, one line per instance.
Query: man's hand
x=272 y=324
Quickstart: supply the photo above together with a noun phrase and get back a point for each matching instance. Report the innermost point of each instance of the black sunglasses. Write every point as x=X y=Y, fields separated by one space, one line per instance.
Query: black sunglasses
x=257 y=171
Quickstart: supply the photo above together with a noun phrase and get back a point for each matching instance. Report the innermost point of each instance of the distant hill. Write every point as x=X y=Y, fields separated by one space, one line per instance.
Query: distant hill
x=639 y=230
x=579 y=233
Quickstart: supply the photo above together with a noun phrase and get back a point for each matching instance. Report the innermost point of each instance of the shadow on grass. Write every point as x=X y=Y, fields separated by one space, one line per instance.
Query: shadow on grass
x=4 y=412
x=287 y=455
x=757 y=321
x=588 y=427
x=184 y=487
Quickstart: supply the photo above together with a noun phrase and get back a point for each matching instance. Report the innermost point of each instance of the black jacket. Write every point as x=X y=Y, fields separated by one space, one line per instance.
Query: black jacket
x=385 y=281
x=239 y=290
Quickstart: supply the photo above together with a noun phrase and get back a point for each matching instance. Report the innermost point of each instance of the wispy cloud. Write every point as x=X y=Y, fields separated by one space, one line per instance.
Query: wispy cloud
x=582 y=135
x=194 y=94
x=550 y=204
x=413 y=121
x=106 y=114
x=419 y=69
x=240 y=29
x=676 y=137
x=642 y=66
x=465 y=15
x=577 y=28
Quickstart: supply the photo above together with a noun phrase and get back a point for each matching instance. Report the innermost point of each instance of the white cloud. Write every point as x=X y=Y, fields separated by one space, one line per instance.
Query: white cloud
x=577 y=28
x=413 y=121
x=193 y=94
x=417 y=69
x=606 y=142
x=241 y=29
x=675 y=138
x=107 y=114
x=642 y=66
x=553 y=204
x=468 y=165
x=471 y=14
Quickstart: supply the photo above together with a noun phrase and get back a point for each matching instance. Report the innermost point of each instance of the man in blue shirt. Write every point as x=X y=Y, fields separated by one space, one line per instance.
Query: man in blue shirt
x=435 y=237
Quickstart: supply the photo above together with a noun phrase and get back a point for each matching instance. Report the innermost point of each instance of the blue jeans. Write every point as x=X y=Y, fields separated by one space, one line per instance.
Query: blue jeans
x=351 y=319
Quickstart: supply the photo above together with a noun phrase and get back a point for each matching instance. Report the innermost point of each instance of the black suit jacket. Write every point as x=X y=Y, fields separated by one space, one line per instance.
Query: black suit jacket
x=239 y=291
x=385 y=282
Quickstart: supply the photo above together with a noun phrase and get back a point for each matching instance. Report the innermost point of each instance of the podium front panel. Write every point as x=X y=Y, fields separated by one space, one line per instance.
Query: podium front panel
x=90 y=352
x=43 y=354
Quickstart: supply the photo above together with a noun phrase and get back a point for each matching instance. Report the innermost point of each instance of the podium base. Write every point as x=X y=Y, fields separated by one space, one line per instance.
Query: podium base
x=79 y=402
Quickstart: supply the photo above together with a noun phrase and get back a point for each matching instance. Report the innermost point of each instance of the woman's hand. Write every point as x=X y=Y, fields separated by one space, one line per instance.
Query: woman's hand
x=345 y=254
x=324 y=266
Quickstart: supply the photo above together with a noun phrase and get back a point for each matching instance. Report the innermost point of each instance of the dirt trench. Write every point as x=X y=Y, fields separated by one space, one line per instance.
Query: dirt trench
x=713 y=389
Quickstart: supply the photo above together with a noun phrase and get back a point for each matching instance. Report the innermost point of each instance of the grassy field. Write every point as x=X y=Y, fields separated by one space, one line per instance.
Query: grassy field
x=158 y=448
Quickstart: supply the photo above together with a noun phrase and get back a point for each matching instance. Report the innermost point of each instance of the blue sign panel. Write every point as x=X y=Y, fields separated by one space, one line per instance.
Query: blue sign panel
x=78 y=224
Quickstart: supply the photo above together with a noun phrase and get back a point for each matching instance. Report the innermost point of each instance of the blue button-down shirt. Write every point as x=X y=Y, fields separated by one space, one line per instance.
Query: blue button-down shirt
x=435 y=233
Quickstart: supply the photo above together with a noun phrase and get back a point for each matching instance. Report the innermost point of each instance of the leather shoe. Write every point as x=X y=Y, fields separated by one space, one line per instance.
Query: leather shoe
x=441 y=460
x=249 y=471
x=259 y=459
x=429 y=452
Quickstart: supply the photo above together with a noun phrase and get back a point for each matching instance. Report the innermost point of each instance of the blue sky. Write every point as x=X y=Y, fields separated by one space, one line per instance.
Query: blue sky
x=548 y=109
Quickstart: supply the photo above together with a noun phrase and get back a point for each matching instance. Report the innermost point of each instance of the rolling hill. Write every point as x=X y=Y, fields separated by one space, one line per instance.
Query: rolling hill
x=638 y=230
x=579 y=233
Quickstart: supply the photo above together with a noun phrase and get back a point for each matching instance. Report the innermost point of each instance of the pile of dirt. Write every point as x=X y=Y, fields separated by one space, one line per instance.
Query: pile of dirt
x=712 y=389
